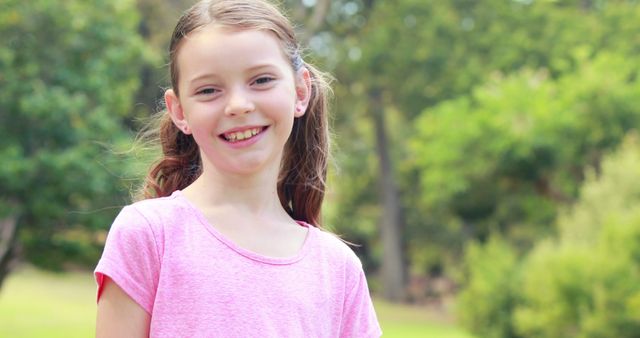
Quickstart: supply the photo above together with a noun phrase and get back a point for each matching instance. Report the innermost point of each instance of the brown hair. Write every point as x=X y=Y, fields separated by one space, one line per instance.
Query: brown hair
x=303 y=171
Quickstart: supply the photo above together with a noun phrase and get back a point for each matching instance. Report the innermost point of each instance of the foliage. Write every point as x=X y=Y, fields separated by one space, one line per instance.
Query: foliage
x=586 y=282
x=68 y=72
x=505 y=155
x=431 y=58
x=486 y=304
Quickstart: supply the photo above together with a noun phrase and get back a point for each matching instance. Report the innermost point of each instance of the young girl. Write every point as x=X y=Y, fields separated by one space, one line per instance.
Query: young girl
x=230 y=244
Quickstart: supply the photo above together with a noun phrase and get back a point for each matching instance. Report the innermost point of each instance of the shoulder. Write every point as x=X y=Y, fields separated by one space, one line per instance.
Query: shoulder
x=151 y=216
x=143 y=226
x=155 y=211
x=164 y=205
x=337 y=248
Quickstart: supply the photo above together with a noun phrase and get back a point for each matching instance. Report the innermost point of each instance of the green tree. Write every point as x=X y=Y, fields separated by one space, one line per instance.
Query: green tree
x=516 y=148
x=505 y=157
x=68 y=73
x=586 y=281
x=487 y=303
x=399 y=60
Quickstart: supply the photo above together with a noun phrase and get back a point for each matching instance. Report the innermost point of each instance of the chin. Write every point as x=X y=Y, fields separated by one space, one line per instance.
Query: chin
x=248 y=167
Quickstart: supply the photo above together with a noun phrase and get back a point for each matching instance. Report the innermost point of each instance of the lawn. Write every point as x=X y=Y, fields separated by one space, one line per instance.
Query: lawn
x=406 y=321
x=39 y=304
x=34 y=303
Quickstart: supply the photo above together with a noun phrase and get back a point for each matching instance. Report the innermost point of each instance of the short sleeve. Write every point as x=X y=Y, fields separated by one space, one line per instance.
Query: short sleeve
x=360 y=318
x=130 y=258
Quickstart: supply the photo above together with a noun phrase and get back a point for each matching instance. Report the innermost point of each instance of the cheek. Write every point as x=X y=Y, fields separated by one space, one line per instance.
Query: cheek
x=201 y=114
x=284 y=107
x=203 y=129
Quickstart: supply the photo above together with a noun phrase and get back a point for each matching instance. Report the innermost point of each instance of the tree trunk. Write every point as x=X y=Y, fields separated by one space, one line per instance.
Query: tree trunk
x=393 y=263
x=8 y=240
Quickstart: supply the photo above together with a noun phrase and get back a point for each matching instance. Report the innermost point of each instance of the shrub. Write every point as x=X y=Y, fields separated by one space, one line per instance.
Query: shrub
x=586 y=282
x=583 y=283
x=486 y=304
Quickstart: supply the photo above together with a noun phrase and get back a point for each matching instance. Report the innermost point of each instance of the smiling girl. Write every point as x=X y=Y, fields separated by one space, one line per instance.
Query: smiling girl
x=228 y=241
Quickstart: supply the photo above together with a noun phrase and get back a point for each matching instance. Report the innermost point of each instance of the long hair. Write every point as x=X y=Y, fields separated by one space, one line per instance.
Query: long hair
x=303 y=171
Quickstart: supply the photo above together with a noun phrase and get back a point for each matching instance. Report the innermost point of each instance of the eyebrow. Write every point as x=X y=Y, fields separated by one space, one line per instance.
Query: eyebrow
x=202 y=76
x=260 y=66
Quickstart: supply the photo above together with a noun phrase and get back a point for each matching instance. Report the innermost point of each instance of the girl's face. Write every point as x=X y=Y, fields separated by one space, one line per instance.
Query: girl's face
x=238 y=98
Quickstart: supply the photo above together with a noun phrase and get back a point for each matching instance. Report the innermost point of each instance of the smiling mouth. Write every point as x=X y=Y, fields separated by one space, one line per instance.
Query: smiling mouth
x=242 y=135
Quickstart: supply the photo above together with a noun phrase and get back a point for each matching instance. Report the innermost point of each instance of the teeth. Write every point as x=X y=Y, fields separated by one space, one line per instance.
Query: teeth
x=241 y=135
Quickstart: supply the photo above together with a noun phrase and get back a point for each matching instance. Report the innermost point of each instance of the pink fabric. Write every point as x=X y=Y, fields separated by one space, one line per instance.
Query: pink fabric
x=196 y=283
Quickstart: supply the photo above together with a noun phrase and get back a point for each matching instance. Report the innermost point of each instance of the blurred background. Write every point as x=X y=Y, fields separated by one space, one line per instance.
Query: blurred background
x=486 y=155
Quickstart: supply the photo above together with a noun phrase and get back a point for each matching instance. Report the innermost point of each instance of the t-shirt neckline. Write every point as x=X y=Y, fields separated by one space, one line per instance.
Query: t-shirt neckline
x=245 y=252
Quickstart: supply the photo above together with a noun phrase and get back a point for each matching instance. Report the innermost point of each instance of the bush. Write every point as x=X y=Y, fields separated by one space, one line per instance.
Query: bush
x=486 y=304
x=69 y=72
x=586 y=283
x=583 y=283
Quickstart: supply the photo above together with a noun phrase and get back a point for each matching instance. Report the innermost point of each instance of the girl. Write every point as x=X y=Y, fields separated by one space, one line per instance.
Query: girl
x=230 y=243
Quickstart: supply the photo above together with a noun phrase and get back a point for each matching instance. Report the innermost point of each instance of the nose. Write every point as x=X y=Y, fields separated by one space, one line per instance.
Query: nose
x=238 y=103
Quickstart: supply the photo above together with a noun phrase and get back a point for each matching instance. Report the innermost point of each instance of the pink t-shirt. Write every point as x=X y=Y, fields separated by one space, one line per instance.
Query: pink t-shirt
x=194 y=282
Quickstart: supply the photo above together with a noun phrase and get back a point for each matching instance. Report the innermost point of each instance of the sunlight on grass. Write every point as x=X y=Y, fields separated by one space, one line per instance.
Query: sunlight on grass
x=41 y=304
x=406 y=321
x=34 y=303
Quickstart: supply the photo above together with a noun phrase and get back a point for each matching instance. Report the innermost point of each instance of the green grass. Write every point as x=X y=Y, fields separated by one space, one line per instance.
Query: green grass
x=406 y=321
x=34 y=303
x=40 y=304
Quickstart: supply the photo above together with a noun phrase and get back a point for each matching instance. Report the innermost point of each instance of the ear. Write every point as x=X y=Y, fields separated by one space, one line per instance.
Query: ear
x=175 y=111
x=303 y=91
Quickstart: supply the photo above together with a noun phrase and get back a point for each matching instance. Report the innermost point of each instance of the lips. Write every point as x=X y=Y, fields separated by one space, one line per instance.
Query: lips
x=241 y=134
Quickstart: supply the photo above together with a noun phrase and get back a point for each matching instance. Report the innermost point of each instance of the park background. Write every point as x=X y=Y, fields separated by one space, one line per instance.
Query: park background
x=486 y=156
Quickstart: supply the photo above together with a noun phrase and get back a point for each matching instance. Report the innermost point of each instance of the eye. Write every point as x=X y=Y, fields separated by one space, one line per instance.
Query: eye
x=263 y=80
x=207 y=91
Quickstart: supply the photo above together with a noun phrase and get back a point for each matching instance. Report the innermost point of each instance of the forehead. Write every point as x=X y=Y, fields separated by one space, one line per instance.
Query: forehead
x=214 y=48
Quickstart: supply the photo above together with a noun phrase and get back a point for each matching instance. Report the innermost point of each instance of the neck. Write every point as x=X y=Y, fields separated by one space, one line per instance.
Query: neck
x=255 y=194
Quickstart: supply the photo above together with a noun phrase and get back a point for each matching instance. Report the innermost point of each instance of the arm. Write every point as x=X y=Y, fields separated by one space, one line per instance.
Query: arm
x=119 y=315
x=359 y=317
